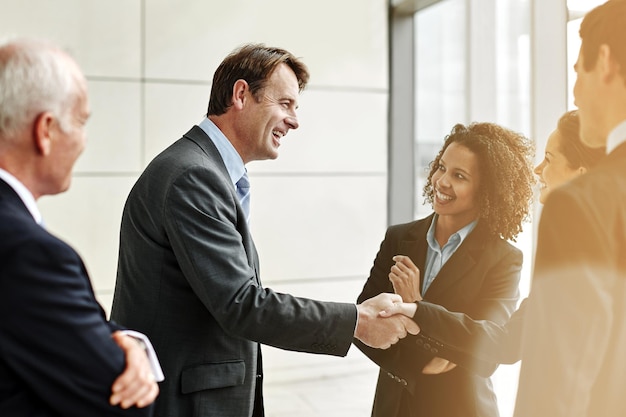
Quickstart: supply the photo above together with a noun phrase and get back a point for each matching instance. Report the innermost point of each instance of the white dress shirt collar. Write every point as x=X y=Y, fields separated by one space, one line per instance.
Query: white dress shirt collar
x=25 y=195
x=616 y=137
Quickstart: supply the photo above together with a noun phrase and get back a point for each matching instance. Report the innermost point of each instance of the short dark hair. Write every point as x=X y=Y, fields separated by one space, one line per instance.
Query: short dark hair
x=253 y=63
x=505 y=162
x=605 y=25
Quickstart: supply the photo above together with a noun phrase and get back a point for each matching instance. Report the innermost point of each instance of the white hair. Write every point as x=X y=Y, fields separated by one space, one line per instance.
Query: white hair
x=35 y=77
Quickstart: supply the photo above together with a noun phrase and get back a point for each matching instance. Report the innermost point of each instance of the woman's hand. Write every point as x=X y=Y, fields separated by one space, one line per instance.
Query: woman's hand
x=438 y=365
x=405 y=278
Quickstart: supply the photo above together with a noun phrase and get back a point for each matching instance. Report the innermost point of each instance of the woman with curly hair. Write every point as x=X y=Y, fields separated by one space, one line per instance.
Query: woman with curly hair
x=480 y=186
x=478 y=345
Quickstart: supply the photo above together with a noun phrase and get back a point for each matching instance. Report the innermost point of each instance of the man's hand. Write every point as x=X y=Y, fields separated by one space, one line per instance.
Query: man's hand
x=381 y=332
x=136 y=385
x=438 y=365
x=405 y=278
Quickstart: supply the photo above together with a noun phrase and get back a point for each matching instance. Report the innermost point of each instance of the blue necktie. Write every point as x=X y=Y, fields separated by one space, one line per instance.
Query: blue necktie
x=243 y=191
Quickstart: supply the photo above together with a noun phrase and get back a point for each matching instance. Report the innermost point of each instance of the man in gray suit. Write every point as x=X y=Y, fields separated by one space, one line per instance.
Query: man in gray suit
x=188 y=271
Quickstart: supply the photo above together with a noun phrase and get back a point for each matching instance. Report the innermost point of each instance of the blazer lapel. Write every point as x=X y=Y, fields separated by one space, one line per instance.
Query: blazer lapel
x=459 y=264
x=10 y=197
x=414 y=246
x=204 y=142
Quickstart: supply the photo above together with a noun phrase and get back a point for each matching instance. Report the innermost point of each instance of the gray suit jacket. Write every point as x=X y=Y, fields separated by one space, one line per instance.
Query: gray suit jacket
x=574 y=340
x=188 y=277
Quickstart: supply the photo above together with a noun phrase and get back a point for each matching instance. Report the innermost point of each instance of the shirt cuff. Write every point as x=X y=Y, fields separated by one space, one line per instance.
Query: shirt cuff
x=152 y=357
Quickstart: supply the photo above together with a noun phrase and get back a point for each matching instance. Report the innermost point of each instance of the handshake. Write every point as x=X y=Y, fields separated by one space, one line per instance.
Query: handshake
x=384 y=320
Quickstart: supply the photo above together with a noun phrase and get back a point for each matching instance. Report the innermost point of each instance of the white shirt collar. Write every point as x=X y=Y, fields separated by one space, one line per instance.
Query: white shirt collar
x=458 y=237
x=23 y=193
x=616 y=137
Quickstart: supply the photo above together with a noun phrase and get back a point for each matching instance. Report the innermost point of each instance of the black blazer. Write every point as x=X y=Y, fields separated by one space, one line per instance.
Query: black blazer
x=476 y=345
x=574 y=344
x=57 y=357
x=480 y=279
x=188 y=277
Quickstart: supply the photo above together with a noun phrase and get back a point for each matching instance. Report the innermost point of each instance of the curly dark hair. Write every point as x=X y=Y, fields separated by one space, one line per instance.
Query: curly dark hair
x=505 y=162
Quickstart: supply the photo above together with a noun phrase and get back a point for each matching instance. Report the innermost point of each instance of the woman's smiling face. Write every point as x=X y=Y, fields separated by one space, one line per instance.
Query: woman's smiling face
x=456 y=183
x=555 y=169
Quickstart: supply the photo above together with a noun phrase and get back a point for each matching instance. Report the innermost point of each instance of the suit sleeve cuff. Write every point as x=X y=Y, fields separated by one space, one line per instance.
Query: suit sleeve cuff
x=152 y=357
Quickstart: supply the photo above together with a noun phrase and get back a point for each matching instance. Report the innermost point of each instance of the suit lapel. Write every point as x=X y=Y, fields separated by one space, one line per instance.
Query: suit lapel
x=204 y=142
x=414 y=246
x=459 y=264
x=11 y=198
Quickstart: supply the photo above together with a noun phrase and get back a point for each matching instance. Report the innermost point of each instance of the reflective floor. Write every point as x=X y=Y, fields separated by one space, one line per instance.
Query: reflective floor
x=304 y=385
x=344 y=389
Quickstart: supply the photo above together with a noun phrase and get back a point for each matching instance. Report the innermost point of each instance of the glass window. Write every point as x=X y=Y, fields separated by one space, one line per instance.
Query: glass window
x=440 y=80
x=472 y=63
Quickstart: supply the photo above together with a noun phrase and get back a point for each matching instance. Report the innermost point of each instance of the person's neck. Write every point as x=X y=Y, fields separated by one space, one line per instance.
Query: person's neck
x=21 y=171
x=225 y=123
x=448 y=225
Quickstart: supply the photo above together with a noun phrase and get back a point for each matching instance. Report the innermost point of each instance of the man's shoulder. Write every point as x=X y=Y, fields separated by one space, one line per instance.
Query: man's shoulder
x=186 y=155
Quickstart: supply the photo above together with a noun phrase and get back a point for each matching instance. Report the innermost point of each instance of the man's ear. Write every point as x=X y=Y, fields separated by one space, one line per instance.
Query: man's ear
x=240 y=88
x=607 y=63
x=42 y=133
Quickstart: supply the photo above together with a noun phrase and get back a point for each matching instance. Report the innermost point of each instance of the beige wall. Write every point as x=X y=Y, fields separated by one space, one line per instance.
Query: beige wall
x=318 y=212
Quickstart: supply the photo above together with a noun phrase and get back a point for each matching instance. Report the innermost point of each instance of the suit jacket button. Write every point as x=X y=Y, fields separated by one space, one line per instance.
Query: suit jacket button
x=404 y=382
x=426 y=346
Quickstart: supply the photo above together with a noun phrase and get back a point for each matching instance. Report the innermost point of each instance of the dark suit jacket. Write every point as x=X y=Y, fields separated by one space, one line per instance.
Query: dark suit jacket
x=480 y=279
x=574 y=345
x=473 y=344
x=188 y=277
x=57 y=357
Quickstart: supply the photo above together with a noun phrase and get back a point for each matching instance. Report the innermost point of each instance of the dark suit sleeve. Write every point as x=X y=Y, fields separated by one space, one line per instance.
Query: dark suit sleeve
x=54 y=335
x=207 y=234
x=472 y=344
x=570 y=314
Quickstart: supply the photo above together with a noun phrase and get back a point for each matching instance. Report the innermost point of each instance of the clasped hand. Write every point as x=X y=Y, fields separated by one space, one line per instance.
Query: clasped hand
x=136 y=386
x=384 y=320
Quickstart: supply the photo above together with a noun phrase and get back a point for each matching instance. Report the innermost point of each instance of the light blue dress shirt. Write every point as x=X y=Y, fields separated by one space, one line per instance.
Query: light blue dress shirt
x=232 y=160
x=436 y=256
